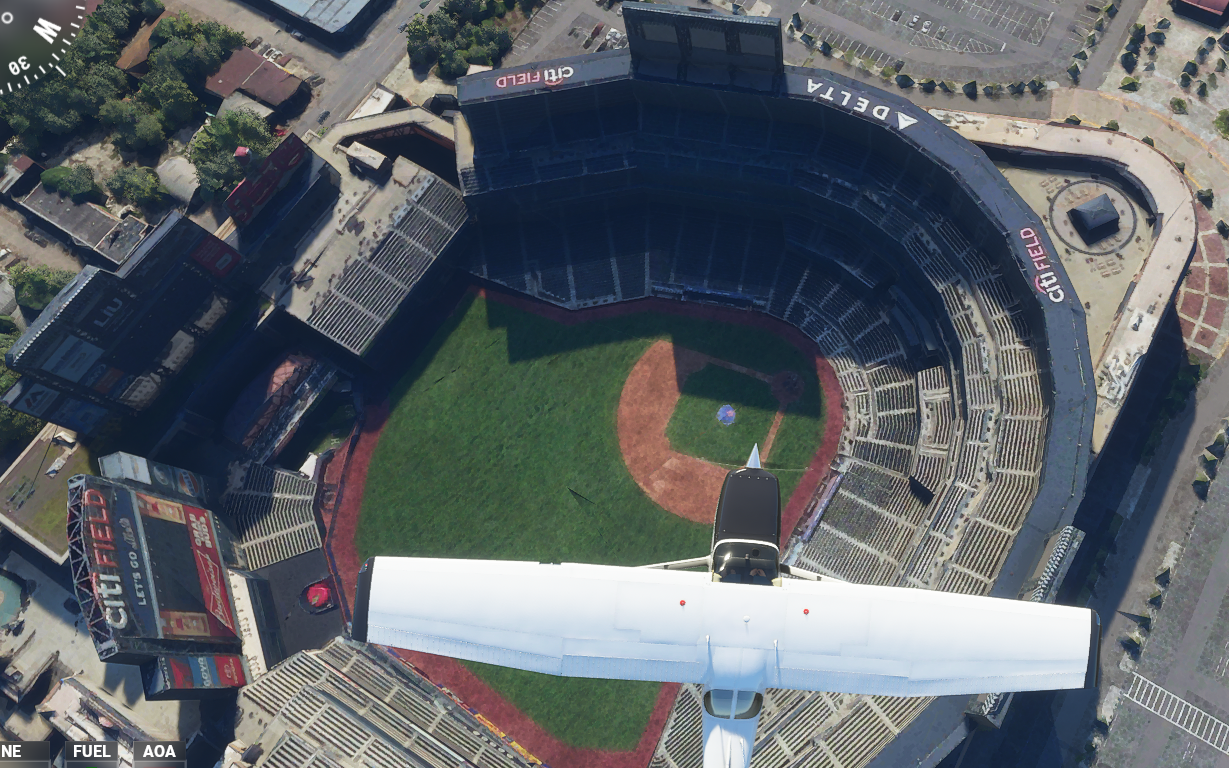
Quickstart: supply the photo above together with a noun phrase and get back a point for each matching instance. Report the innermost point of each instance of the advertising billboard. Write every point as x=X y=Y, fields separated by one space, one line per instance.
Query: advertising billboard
x=120 y=571
x=195 y=676
x=154 y=568
x=78 y=416
x=192 y=602
x=29 y=397
x=161 y=478
x=72 y=358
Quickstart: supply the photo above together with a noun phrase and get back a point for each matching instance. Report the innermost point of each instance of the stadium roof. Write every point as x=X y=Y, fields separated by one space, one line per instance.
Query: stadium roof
x=1216 y=7
x=350 y=278
x=332 y=16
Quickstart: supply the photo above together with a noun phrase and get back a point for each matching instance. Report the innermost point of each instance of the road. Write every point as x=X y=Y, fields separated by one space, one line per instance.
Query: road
x=351 y=79
x=349 y=74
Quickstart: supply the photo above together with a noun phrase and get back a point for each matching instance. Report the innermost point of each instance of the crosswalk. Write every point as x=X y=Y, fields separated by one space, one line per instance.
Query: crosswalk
x=1188 y=717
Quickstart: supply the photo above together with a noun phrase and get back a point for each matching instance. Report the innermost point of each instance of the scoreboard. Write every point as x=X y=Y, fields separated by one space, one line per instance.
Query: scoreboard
x=93 y=754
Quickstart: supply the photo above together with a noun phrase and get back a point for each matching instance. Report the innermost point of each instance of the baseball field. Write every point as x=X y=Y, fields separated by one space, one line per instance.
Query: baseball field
x=502 y=442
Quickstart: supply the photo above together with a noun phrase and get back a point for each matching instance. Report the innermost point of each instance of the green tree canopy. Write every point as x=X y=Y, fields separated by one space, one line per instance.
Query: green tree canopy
x=453 y=65
x=16 y=428
x=134 y=126
x=77 y=180
x=170 y=95
x=36 y=286
x=152 y=9
x=213 y=151
x=442 y=25
x=140 y=186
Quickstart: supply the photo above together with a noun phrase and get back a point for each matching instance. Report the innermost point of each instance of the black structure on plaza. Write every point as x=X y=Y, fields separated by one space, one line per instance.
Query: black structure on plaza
x=696 y=166
x=1096 y=219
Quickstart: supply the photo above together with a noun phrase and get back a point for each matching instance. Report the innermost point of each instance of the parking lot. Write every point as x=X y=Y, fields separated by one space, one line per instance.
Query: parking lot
x=993 y=40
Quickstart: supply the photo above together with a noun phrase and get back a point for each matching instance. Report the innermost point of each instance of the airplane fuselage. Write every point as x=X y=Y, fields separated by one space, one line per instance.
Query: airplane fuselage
x=746 y=549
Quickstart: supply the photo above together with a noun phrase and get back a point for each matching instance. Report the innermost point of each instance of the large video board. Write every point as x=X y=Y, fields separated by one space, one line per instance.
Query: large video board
x=150 y=572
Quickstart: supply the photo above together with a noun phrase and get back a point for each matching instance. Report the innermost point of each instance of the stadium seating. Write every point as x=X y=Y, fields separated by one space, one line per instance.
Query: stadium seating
x=272 y=512
x=945 y=409
x=358 y=703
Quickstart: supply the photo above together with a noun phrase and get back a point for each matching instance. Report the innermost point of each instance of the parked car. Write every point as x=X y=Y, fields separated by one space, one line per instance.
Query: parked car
x=36 y=238
x=323 y=116
x=913 y=22
x=404 y=24
x=941 y=33
x=925 y=27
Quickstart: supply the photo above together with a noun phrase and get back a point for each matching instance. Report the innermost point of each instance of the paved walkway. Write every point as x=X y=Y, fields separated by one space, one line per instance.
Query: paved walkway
x=1202 y=294
x=1188 y=630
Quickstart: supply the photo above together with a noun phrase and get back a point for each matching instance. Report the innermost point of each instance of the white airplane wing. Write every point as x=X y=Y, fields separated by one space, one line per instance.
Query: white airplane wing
x=649 y=624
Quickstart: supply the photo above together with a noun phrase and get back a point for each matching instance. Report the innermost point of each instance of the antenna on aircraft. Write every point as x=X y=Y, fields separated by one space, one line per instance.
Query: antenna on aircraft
x=753 y=461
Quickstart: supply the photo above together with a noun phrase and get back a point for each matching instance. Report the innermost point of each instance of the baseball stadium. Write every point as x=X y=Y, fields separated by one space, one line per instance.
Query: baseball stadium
x=685 y=248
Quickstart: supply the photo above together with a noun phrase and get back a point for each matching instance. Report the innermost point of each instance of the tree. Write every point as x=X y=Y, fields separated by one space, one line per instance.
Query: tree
x=193 y=58
x=442 y=25
x=463 y=10
x=168 y=93
x=4 y=161
x=502 y=40
x=152 y=9
x=453 y=65
x=1178 y=106
x=77 y=180
x=221 y=36
x=16 y=428
x=140 y=186
x=114 y=15
x=478 y=54
x=420 y=43
x=1112 y=125
x=1222 y=123
x=134 y=126
x=36 y=286
x=172 y=27
x=213 y=151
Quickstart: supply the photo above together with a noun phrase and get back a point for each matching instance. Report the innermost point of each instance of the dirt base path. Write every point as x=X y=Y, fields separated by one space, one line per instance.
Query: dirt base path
x=349 y=472
x=682 y=484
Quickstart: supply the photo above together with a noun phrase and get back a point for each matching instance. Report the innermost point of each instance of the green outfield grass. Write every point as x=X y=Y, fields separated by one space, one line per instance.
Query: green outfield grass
x=501 y=443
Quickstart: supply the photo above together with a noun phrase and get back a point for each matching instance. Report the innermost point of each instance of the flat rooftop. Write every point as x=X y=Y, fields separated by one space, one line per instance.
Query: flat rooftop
x=33 y=504
x=92 y=226
x=358 y=262
x=332 y=16
x=55 y=634
x=1102 y=272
